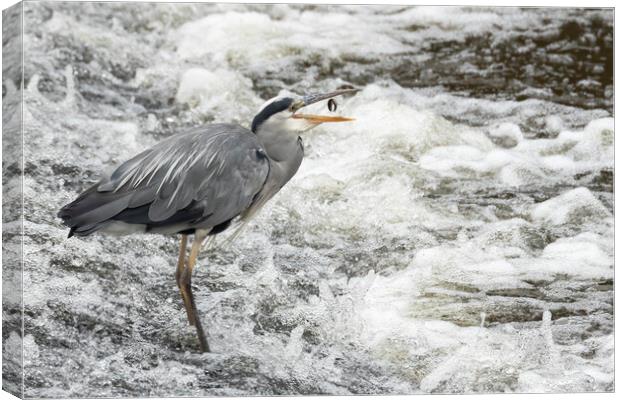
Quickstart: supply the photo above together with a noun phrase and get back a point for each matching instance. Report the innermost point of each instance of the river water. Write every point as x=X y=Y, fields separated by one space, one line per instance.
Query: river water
x=456 y=238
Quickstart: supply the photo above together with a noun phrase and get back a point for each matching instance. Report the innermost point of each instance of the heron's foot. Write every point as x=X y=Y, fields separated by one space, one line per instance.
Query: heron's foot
x=202 y=339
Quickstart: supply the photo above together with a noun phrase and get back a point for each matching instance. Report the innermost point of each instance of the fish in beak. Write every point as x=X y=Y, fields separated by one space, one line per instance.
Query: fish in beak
x=315 y=98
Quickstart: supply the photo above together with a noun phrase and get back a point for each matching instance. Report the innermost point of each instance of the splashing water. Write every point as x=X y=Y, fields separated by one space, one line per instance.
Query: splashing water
x=458 y=237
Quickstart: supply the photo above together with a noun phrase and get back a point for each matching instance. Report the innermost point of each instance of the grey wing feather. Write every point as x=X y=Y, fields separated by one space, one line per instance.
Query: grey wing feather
x=217 y=169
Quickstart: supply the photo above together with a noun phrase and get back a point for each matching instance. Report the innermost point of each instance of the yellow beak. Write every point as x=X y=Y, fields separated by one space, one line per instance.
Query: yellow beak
x=319 y=119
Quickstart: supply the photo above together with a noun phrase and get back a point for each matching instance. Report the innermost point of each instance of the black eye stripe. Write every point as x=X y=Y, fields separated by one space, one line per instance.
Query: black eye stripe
x=273 y=108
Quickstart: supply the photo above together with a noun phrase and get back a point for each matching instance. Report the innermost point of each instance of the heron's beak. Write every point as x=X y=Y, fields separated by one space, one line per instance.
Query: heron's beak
x=319 y=119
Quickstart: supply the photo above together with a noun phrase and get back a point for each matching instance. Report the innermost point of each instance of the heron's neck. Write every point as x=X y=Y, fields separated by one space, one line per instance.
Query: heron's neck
x=280 y=145
x=285 y=152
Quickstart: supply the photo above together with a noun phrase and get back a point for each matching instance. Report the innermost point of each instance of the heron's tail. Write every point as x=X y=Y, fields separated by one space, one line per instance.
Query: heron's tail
x=91 y=211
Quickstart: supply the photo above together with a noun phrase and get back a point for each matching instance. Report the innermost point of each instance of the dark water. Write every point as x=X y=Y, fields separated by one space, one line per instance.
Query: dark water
x=457 y=238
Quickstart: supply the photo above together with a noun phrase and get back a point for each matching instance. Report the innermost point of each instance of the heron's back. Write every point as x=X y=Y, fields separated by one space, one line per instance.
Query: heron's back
x=202 y=178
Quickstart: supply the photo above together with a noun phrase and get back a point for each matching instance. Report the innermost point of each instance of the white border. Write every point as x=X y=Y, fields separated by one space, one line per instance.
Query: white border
x=541 y=3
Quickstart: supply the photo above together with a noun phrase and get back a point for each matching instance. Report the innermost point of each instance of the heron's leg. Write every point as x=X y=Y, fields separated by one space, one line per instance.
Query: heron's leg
x=180 y=268
x=181 y=262
x=186 y=289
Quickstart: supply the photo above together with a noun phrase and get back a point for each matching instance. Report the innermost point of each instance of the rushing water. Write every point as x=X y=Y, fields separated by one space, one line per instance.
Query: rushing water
x=458 y=237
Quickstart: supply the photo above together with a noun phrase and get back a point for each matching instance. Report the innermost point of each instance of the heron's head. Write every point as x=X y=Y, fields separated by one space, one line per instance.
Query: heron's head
x=283 y=114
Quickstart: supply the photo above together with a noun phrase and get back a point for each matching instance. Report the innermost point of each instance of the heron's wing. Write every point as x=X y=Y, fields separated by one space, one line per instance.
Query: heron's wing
x=210 y=174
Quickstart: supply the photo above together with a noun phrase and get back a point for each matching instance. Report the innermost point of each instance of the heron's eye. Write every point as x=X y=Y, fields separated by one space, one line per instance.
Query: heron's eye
x=296 y=106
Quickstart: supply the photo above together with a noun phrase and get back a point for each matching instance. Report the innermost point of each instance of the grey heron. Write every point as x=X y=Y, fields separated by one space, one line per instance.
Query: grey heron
x=199 y=182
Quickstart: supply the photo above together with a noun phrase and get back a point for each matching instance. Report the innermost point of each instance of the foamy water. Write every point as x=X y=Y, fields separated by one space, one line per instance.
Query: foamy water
x=446 y=241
